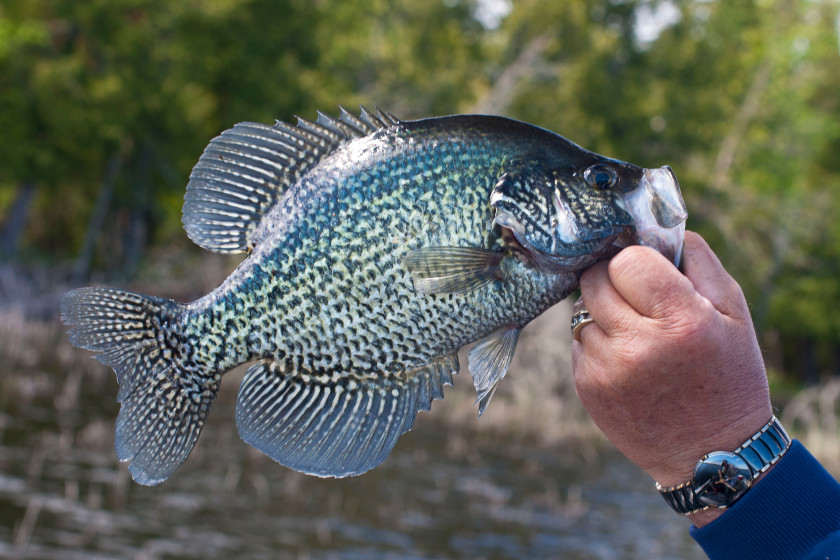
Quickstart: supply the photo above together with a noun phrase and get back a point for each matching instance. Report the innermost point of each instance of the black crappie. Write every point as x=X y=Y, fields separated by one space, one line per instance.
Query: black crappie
x=378 y=248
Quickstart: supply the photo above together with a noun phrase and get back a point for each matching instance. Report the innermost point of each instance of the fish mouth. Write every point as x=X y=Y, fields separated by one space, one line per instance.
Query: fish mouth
x=658 y=212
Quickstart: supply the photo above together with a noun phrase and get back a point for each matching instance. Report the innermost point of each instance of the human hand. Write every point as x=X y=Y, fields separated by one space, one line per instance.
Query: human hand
x=670 y=369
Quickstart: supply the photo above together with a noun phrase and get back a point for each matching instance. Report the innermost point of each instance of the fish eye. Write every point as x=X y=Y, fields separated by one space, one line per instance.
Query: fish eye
x=601 y=177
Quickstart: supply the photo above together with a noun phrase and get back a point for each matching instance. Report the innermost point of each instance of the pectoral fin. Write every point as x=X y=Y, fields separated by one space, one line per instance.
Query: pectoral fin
x=489 y=361
x=436 y=270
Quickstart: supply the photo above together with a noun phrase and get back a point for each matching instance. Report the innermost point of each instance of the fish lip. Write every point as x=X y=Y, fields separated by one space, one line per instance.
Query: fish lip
x=659 y=213
x=665 y=197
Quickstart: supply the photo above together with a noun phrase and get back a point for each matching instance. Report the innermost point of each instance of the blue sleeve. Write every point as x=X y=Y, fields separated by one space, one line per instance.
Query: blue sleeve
x=793 y=512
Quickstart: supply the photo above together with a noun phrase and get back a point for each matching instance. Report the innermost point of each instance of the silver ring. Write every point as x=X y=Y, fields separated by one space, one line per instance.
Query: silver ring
x=579 y=320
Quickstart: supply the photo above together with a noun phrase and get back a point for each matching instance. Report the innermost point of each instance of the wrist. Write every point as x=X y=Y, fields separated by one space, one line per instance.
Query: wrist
x=721 y=478
x=712 y=433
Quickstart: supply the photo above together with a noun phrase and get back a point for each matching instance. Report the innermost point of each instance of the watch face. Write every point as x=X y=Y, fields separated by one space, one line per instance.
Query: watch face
x=721 y=478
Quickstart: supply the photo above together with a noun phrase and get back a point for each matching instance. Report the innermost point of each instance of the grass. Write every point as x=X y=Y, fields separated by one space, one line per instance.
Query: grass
x=813 y=416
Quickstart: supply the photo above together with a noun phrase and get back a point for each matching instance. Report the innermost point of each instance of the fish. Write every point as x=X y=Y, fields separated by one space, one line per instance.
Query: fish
x=375 y=248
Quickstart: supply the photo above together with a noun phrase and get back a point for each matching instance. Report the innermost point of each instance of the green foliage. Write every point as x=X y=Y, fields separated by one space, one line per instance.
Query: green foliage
x=739 y=97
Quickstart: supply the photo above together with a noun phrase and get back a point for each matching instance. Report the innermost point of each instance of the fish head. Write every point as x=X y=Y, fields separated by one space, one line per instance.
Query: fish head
x=565 y=219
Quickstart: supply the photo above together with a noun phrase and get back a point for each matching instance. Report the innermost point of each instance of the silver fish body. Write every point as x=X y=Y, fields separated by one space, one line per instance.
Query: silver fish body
x=377 y=248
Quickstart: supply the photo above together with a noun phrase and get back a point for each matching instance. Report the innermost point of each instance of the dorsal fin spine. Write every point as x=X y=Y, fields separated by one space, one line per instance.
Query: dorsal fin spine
x=325 y=135
x=301 y=137
x=387 y=118
x=353 y=121
x=336 y=126
x=372 y=120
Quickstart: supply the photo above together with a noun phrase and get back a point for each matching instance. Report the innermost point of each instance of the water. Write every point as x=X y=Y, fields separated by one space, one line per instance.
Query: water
x=443 y=493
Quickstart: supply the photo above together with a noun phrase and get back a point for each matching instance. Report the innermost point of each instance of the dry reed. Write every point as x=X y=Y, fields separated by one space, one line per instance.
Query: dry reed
x=813 y=416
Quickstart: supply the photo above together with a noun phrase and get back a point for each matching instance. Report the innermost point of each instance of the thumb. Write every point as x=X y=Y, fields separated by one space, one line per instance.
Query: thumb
x=710 y=279
x=649 y=282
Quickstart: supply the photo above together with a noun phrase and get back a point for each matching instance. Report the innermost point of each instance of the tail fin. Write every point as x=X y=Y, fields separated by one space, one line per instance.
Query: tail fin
x=164 y=404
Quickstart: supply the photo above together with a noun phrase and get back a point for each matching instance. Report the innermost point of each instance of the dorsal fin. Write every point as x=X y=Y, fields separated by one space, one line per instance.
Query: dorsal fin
x=244 y=172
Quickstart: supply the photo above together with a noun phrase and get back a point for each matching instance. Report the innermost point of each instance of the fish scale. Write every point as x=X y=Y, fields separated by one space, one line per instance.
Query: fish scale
x=376 y=249
x=375 y=264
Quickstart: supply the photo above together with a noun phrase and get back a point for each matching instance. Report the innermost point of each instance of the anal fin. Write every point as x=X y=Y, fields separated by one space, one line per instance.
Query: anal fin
x=489 y=361
x=334 y=425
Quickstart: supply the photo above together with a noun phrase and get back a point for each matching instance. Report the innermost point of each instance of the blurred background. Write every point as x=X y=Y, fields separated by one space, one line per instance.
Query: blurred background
x=105 y=105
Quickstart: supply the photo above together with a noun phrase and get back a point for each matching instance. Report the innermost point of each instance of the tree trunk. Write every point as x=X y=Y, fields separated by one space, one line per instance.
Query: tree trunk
x=11 y=233
x=808 y=361
x=81 y=269
x=497 y=99
x=135 y=242
x=137 y=235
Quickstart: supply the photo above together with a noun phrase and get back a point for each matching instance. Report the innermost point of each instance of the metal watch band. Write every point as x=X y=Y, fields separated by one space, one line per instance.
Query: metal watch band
x=758 y=454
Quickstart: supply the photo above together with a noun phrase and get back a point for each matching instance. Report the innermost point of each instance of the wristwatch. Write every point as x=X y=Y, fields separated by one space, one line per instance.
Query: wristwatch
x=722 y=477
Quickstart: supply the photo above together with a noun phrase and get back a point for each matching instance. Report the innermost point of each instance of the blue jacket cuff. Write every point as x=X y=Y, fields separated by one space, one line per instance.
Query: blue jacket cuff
x=793 y=509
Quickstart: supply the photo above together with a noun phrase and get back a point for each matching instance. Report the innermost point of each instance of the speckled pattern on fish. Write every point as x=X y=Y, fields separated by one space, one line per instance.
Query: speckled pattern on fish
x=376 y=249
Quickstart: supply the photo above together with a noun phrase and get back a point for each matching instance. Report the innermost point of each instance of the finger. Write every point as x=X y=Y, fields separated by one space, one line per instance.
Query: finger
x=649 y=282
x=579 y=305
x=709 y=277
x=592 y=339
x=580 y=320
x=590 y=332
x=606 y=306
